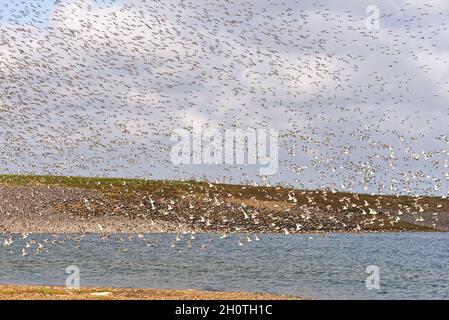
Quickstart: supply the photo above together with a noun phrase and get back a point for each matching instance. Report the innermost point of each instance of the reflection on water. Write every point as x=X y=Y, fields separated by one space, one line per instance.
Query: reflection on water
x=412 y=265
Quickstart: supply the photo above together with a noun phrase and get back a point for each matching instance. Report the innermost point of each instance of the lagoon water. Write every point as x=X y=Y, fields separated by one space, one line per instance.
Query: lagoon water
x=411 y=265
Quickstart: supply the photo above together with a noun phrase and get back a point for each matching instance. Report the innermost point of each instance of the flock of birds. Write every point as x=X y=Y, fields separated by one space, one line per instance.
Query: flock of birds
x=95 y=88
x=182 y=242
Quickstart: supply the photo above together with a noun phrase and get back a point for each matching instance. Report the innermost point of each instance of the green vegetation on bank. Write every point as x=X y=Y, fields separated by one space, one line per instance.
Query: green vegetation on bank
x=211 y=207
x=350 y=202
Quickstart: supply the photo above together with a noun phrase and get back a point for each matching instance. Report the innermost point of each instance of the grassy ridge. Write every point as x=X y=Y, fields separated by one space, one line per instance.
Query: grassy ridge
x=263 y=193
x=348 y=202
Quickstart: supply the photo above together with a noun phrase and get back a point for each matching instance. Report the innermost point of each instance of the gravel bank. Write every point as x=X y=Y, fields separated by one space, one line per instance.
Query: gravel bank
x=201 y=207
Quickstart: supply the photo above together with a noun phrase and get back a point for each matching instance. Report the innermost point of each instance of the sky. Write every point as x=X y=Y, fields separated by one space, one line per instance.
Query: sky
x=95 y=88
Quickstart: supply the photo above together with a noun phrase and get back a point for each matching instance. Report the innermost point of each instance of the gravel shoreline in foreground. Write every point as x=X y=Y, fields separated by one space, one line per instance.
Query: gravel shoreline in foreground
x=25 y=292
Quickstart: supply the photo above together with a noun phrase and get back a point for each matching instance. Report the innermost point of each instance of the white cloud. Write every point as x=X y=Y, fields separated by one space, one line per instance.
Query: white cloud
x=113 y=79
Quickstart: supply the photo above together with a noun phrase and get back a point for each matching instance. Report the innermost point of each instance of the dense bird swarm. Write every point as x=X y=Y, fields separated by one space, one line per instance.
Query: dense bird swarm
x=95 y=88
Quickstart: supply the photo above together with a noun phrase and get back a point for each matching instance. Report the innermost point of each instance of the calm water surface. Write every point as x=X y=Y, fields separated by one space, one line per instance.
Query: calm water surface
x=412 y=265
